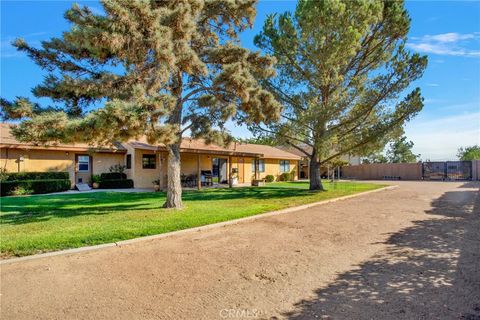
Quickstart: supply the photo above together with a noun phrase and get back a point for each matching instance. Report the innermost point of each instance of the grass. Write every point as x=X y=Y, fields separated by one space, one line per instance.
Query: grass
x=37 y=224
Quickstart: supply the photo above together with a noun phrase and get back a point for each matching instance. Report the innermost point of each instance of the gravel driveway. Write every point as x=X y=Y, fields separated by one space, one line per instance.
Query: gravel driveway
x=408 y=253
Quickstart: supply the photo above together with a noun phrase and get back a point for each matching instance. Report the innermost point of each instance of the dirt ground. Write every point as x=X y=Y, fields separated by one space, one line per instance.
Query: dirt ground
x=408 y=253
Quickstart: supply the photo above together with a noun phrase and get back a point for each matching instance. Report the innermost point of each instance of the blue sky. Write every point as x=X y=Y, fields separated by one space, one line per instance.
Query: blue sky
x=448 y=32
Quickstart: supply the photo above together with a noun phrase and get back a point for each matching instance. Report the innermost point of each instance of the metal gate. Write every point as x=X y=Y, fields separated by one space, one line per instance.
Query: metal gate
x=447 y=170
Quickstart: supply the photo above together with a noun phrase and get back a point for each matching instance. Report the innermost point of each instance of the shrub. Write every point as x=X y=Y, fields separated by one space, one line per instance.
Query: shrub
x=269 y=178
x=96 y=178
x=18 y=176
x=113 y=176
x=38 y=186
x=286 y=176
x=116 y=184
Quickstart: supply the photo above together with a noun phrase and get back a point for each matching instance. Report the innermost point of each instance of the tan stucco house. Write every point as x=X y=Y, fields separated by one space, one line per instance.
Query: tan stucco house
x=145 y=162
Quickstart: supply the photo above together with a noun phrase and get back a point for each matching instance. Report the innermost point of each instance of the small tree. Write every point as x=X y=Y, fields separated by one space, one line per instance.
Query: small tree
x=400 y=151
x=375 y=157
x=147 y=68
x=469 y=153
x=343 y=68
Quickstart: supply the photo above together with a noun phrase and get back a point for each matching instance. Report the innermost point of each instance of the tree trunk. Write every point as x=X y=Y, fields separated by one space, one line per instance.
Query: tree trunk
x=174 y=184
x=315 y=179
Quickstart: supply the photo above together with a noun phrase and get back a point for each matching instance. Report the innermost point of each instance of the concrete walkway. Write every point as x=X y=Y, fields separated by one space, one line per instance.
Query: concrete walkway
x=411 y=252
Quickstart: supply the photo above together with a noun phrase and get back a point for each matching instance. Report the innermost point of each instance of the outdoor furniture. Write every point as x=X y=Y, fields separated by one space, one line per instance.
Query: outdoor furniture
x=188 y=181
x=206 y=178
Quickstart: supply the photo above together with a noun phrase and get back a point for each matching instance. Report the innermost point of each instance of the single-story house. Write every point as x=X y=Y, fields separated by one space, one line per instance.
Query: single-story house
x=145 y=162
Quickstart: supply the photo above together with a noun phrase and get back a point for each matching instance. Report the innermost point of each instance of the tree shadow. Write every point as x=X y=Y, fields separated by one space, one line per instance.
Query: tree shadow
x=22 y=210
x=429 y=271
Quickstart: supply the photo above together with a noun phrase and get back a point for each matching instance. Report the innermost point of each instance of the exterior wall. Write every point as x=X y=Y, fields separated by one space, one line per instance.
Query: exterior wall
x=101 y=162
x=189 y=162
x=272 y=167
x=129 y=172
x=375 y=171
x=142 y=178
x=38 y=160
x=53 y=160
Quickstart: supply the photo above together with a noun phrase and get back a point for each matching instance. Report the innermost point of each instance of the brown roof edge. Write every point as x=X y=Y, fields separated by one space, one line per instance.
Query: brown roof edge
x=218 y=152
x=61 y=148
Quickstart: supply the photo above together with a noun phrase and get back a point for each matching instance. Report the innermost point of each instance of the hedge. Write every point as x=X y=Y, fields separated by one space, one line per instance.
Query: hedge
x=286 y=176
x=113 y=176
x=116 y=184
x=21 y=176
x=269 y=178
x=33 y=186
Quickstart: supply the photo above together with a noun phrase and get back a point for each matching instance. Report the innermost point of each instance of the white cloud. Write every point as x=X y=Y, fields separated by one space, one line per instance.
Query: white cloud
x=450 y=44
x=439 y=139
x=448 y=37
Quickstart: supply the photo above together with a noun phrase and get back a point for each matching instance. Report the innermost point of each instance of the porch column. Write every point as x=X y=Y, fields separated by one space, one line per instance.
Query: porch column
x=160 y=169
x=256 y=164
x=230 y=180
x=199 y=173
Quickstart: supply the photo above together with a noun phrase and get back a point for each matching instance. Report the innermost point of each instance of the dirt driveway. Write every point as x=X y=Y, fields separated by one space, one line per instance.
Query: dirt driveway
x=408 y=253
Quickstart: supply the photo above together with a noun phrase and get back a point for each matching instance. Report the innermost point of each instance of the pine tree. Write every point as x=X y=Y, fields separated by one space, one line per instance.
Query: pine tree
x=343 y=69
x=400 y=151
x=148 y=68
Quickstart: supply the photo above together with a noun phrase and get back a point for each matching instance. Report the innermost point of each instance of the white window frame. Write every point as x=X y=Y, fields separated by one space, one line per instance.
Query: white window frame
x=79 y=161
x=284 y=164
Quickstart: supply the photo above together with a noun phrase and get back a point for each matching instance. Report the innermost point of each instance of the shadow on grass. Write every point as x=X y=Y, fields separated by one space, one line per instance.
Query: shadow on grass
x=429 y=271
x=21 y=210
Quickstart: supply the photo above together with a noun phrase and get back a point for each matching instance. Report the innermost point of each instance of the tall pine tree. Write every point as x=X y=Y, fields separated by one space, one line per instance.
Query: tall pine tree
x=147 y=68
x=343 y=69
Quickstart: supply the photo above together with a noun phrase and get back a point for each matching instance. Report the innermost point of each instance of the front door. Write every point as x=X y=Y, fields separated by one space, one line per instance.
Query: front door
x=241 y=170
x=83 y=168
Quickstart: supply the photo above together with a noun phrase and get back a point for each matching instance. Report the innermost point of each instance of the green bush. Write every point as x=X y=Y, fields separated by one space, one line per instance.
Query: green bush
x=269 y=178
x=33 y=186
x=286 y=176
x=116 y=184
x=113 y=176
x=20 y=176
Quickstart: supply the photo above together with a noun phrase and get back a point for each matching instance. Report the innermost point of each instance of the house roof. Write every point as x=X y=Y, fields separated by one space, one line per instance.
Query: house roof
x=295 y=151
x=236 y=149
x=188 y=145
x=7 y=140
x=268 y=152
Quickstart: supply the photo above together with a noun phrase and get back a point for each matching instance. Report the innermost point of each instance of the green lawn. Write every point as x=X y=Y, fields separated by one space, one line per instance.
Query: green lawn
x=36 y=224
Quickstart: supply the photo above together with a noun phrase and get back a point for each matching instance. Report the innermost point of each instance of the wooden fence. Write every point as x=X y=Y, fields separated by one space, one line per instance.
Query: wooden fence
x=404 y=171
x=380 y=171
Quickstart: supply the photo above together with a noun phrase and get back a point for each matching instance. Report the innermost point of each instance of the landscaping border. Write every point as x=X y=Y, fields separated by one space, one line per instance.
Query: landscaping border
x=194 y=229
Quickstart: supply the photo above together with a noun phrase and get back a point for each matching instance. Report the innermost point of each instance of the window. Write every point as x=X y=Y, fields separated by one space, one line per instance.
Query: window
x=261 y=165
x=148 y=161
x=128 y=163
x=83 y=163
x=284 y=166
